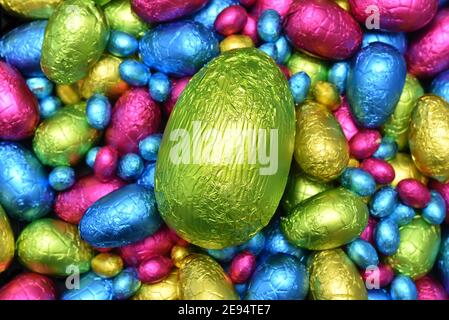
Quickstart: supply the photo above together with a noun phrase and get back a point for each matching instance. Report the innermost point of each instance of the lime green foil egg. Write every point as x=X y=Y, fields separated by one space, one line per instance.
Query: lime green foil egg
x=34 y=9
x=121 y=17
x=53 y=247
x=315 y=68
x=418 y=249
x=327 y=220
x=6 y=241
x=76 y=36
x=65 y=138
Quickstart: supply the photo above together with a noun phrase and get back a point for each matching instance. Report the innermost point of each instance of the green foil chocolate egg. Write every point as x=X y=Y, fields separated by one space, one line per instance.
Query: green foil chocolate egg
x=121 y=17
x=321 y=149
x=6 y=241
x=333 y=276
x=327 y=220
x=418 y=248
x=76 y=36
x=53 y=247
x=34 y=9
x=315 y=68
x=226 y=152
x=65 y=138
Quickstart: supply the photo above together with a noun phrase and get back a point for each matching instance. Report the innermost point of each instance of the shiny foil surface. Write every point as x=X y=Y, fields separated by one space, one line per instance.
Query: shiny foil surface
x=76 y=36
x=121 y=17
x=53 y=247
x=6 y=240
x=167 y=289
x=242 y=89
x=404 y=168
x=91 y=287
x=156 y=11
x=29 y=286
x=327 y=220
x=281 y=6
x=35 y=9
x=317 y=69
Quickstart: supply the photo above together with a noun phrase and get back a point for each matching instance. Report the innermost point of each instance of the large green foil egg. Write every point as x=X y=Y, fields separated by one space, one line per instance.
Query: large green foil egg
x=65 y=138
x=327 y=220
x=76 y=36
x=226 y=151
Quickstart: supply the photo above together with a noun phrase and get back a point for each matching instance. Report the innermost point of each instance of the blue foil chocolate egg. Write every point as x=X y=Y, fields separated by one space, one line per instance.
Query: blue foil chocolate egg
x=378 y=294
x=179 y=48
x=397 y=40
x=276 y=242
x=358 y=181
x=435 y=211
x=402 y=214
x=210 y=12
x=338 y=75
x=25 y=193
x=362 y=253
x=403 y=288
x=122 y=217
x=375 y=83
x=255 y=245
x=387 y=237
x=126 y=284
x=91 y=287
x=383 y=202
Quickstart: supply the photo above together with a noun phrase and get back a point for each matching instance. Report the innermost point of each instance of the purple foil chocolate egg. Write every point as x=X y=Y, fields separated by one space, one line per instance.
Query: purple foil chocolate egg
x=154 y=269
x=413 y=193
x=155 y=11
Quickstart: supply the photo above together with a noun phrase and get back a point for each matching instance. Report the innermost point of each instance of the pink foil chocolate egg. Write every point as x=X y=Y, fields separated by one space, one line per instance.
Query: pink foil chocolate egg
x=323 y=28
x=158 y=244
x=395 y=15
x=443 y=189
x=106 y=163
x=154 y=11
x=154 y=269
x=134 y=117
x=70 y=205
x=368 y=233
x=430 y=289
x=428 y=51
x=345 y=119
x=413 y=193
x=178 y=86
x=19 y=113
x=250 y=29
x=29 y=286
x=382 y=275
x=281 y=6
x=242 y=267
x=380 y=169
x=231 y=20
x=365 y=143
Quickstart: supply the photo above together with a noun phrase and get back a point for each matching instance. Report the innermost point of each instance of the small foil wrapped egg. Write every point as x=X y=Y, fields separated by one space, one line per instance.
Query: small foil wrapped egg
x=165 y=10
x=276 y=242
x=91 y=287
x=242 y=267
x=29 y=286
x=167 y=289
x=315 y=68
x=121 y=17
x=154 y=269
x=7 y=241
x=107 y=265
x=53 y=247
x=430 y=289
x=34 y=9
x=126 y=284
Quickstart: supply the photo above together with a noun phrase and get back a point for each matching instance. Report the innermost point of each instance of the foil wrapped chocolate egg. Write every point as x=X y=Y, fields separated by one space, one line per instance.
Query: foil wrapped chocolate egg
x=327 y=220
x=202 y=278
x=121 y=17
x=418 y=248
x=25 y=193
x=429 y=137
x=167 y=289
x=404 y=168
x=19 y=113
x=122 y=217
x=333 y=276
x=375 y=83
x=53 y=247
x=65 y=138
x=29 y=286
x=315 y=68
x=395 y=15
x=75 y=38
x=321 y=149
x=91 y=287
x=34 y=9
x=243 y=196
x=165 y=10
x=318 y=36
x=397 y=126
x=7 y=241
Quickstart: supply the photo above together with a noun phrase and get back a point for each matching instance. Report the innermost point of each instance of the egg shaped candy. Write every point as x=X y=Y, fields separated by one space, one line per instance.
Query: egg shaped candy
x=319 y=36
x=327 y=220
x=29 y=286
x=65 y=138
x=375 y=83
x=241 y=93
x=395 y=15
x=91 y=287
x=7 y=241
x=202 y=278
x=418 y=248
x=321 y=149
x=34 y=9
x=165 y=10
x=167 y=289
x=121 y=17
x=75 y=38
x=429 y=137
x=315 y=68
x=25 y=192
x=122 y=217
x=53 y=247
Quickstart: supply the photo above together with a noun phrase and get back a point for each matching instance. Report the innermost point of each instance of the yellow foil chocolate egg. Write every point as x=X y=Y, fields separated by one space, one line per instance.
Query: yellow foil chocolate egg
x=167 y=289
x=327 y=94
x=121 y=17
x=321 y=149
x=418 y=249
x=202 y=278
x=236 y=41
x=327 y=220
x=69 y=94
x=34 y=9
x=333 y=276
x=404 y=168
x=429 y=137
x=107 y=265
x=6 y=241
x=316 y=68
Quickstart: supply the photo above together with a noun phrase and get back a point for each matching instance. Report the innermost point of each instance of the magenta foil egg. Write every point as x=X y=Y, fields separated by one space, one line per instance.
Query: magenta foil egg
x=396 y=15
x=428 y=51
x=365 y=143
x=242 y=267
x=178 y=86
x=382 y=275
x=29 y=286
x=231 y=20
x=250 y=29
x=381 y=170
x=106 y=164
x=70 y=205
x=134 y=117
x=158 y=244
x=368 y=233
x=155 y=11
x=430 y=289
x=413 y=193
x=19 y=113
x=154 y=269
x=345 y=119
x=443 y=189
x=323 y=28
x=281 y=6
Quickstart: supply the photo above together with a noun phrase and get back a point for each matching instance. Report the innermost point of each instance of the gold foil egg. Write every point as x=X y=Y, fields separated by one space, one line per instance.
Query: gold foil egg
x=429 y=137
x=327 y=94
x=107 y=264
x=68 y=93
x=321 y=149
x=327 y=220
x=34 y=9
x=65 y=138
x=121 y=17
x=179 y=253
x=418 y=249
x=333 y=276
x=202 y=278
x=236 y=41
x=316 y=69
x=405 y=168
x=53 y=247
x=167 y=289
x=6 y=241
